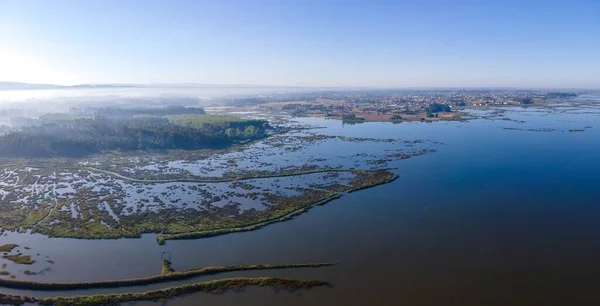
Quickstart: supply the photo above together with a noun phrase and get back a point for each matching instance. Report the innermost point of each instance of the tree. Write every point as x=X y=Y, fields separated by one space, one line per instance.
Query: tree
x=436 y=108
x=231 y=133
x=526 y=100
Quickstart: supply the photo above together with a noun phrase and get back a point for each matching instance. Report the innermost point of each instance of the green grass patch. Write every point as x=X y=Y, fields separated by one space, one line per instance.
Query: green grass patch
x=8 y=247
x=20 y=259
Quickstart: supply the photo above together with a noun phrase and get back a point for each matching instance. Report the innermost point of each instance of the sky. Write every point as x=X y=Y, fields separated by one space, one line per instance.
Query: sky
x=427 y=43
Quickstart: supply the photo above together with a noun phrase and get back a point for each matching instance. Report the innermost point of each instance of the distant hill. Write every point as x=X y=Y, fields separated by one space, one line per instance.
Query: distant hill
x=25 y=86
x=29 y=86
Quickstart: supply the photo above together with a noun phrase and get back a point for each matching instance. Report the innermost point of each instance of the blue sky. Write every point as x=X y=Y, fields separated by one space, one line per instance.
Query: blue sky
x=303 y=43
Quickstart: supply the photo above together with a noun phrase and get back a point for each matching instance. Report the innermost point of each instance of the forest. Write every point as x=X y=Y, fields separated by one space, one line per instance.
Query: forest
x=81 y=136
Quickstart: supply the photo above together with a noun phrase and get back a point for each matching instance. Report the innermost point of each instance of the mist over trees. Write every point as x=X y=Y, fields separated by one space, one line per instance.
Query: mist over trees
x=114 y=112
x=68 y=135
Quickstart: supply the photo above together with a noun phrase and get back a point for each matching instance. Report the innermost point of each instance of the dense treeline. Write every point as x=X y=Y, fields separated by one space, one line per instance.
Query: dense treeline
x=207 y=120
x=234 y=127
x=525 y=100
x=80 y=137
x=433 y=109
x=436 y=108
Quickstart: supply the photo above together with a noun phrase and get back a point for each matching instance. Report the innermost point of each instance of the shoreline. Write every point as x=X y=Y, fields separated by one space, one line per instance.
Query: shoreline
x=215 y=287
x=367 y=179
x=161 y=239
x=155 y=279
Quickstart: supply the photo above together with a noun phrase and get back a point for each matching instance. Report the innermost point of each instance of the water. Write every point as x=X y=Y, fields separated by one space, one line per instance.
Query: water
x=494 y=217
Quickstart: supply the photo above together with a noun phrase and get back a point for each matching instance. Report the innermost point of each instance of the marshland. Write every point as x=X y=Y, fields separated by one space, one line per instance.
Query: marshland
x=374 y=199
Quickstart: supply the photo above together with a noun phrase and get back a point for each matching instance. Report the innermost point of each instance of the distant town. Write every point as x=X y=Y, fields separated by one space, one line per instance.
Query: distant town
x=399 y=105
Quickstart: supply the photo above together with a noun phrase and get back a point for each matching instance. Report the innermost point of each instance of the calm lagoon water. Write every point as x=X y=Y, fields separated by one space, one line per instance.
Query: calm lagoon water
x=495 y=217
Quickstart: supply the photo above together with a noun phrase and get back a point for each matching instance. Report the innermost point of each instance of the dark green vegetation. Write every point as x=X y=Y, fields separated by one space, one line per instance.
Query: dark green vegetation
x=233 y=126
x=79 y=137
x=216 y=286
x=525 y=100
x=20 y=259
x=166 y=267
x=352 y=118
x=7 y=247
x=167 y=275
x=433 y=108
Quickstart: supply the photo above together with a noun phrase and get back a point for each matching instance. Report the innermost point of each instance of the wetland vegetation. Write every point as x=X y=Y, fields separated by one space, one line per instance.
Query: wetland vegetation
x=20 y=259
x=215 y=286
x=7 y=247
x=116 y=173
x=93 y=206
x=185 y=194
x=167 y=275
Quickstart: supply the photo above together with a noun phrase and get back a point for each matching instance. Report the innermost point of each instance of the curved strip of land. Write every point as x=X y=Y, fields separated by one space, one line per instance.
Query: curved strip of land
x=215 y=286
x=246 y=228
x=175 y=222
x=392 y=178
x=257 y=225
x=165 y=277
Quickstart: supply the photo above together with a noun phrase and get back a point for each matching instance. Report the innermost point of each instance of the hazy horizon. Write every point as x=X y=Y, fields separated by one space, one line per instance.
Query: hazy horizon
x=222 y=85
